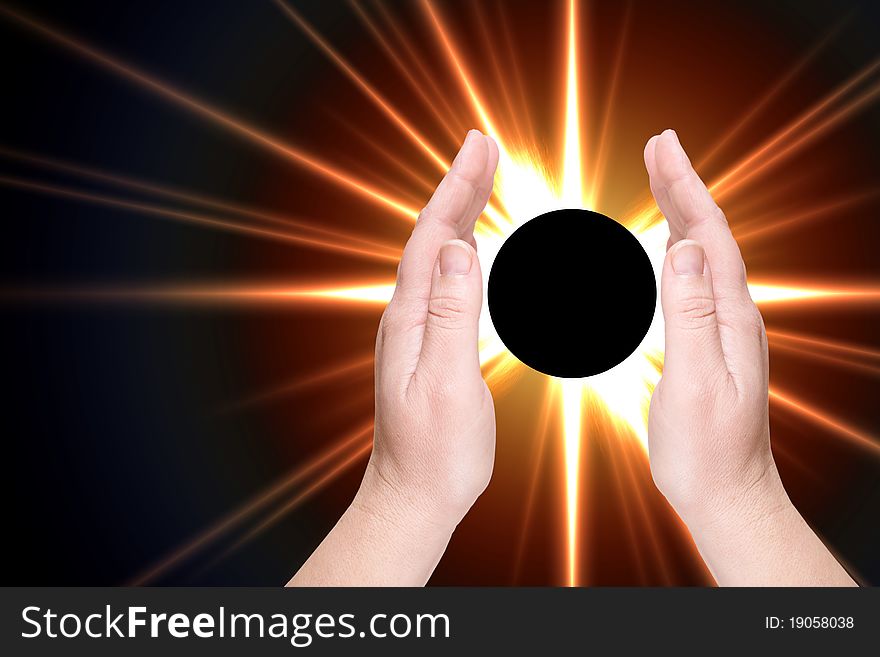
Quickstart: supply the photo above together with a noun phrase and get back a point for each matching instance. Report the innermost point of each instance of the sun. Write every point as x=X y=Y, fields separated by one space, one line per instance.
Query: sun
x=525 y=185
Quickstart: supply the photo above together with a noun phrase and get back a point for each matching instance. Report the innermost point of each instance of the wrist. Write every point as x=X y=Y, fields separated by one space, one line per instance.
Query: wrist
x=381 y=540
x=402 y=510
x=755 y=502
x=741 y=534
x=758 y=538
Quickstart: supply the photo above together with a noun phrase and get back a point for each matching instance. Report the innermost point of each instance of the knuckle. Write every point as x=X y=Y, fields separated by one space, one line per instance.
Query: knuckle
x=448 y=311
x=401 y=316
x=695 y=312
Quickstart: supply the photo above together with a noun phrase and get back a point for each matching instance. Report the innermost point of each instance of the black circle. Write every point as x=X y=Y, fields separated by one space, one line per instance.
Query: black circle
x=572 y=293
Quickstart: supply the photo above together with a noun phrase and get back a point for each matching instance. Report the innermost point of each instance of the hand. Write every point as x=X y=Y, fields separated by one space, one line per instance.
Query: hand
x=708 y=427
x=434 y=440
x=434 y=444
x=709 y=433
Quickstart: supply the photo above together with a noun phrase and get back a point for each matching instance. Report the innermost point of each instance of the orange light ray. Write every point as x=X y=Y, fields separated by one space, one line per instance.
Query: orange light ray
x=805 y=139
x=636 y=484
x=499 y=371
x=378 y=294
x=439 y=96
x=778 y=87
x=403 y=168
x=572 y=409
x=792 y=458
x=326 y=375
x=624 y=494
x=193 y=218
x=572 y=195
x=317 y=486
x=396 y=59
x=812 y=354
x=249 y=509
x=548 y=406
x=822 y=343
x=217 y=116
x=496 y=215
x=524 y=112
x=368 y=89
x=139 y=185
x=766 y=293
x=463 y=76
x=852 y=434
x=495 y=63
x=772 y=151
x=499 y=217
x=601 y=158
x=572 y=169
x=781 y=221
x=782 y=194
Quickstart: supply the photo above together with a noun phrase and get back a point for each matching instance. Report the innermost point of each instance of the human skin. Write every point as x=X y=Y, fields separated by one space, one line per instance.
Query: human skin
x=434 y=440
x=708 y=427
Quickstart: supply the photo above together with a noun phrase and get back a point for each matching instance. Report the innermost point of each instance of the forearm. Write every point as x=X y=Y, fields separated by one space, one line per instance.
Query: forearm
x=760 y=539
x=383 y=539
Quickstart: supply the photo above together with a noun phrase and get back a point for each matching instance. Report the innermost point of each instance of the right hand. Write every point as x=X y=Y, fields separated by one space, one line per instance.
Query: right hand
x=708 y=426
x=708 y=432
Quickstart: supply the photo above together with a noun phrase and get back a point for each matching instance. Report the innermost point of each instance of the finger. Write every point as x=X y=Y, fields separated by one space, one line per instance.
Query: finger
x=449 y=355
x=695 y=215
x=658 y=191
x=485 y=191
x=694 y=354
x=450 y=214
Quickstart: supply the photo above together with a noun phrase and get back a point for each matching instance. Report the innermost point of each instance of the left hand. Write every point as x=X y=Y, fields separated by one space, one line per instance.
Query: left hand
x=434 y=438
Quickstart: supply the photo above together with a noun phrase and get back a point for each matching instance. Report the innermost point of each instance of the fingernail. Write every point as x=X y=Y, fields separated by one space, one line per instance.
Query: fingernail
x=455 y=259
x=688 y=259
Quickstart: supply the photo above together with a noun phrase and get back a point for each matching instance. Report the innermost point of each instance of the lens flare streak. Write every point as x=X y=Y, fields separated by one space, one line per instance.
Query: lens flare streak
x=572 y=410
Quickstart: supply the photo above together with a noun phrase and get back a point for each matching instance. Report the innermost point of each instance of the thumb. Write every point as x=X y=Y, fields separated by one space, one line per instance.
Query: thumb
x=693 y=341
x=449 y=347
